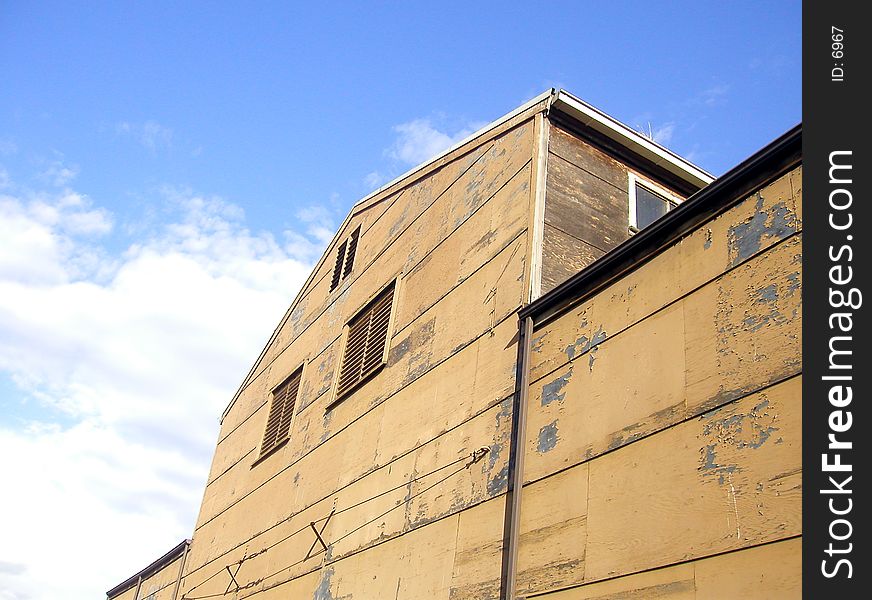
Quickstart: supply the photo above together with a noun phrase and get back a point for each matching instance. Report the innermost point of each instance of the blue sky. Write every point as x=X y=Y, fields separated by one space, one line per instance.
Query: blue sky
x=170 y=171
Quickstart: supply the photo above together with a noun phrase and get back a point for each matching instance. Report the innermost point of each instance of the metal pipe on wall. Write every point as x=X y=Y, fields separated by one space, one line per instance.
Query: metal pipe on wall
x=512 y=527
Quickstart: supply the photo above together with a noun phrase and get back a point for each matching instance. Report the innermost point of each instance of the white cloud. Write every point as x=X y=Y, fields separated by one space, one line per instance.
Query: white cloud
x=418 y=141
x=320 y=222
x=663 y=133
x=714 y=95
x=59 y=174
x=124 y=363
x=150 y=134
x=374 y=180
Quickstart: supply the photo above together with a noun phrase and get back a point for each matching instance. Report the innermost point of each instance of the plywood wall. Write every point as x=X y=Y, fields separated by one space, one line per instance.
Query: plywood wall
x=390 y=461
x=586 y=205
x=663 y=450
x=663 y=437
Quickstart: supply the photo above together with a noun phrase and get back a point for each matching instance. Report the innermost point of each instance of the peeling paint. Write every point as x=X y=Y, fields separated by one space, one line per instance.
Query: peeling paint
x=537 y=343
x=407 y=501
x=417 y=346
x=499 y=483
x=583 y=344
x=325 y=424
x=399 y=351
x=708 y=239
x=745 y=239
x=767 y=296
x=493 y=455
x=547 y=438
x=739 y=431
x=592 y=357
x=553 y=392
x=481 y=243
x=322 y=592
x=795 y=282
x=505 y=413
x=709 y=464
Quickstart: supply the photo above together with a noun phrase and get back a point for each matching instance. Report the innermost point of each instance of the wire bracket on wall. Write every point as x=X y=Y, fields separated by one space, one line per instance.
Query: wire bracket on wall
x=233 y=577
x=468 y=460
x=477 y=455
x=318 y=538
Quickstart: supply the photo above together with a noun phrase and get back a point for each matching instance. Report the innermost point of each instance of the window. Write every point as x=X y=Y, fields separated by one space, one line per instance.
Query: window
x=344 y=259
x=648 y=202
x=366 y=342
x=278 y=424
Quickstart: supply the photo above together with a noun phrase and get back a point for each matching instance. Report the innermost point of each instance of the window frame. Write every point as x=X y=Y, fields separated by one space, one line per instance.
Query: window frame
x=340 y=395
x=279 y=443
x=635 y=180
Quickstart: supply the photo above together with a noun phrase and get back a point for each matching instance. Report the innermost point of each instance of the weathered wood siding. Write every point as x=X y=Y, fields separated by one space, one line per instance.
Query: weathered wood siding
x=586 y=205
x=391 y=456
x=663 y=450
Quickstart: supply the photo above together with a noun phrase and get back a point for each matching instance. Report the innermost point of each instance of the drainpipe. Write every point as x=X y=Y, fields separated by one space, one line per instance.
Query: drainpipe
x=138 y=586
x=516 y=462
x=181 y=568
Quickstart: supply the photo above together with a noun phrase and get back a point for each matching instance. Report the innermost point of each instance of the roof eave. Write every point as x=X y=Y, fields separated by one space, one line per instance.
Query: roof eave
x=599 y=121
x=168 y=558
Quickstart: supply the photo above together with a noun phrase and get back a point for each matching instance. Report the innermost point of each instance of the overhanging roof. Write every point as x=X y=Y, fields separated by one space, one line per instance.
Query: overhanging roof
x=629 y=138
x=177 y=552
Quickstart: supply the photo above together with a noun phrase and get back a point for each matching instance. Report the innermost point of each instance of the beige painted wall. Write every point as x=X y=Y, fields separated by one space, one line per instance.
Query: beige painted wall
x=391 y=456
x=663 y=451
x=663 y=442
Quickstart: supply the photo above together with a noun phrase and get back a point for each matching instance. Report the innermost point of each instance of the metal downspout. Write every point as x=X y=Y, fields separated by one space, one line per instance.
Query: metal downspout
x=516 y=461
x=181 y=569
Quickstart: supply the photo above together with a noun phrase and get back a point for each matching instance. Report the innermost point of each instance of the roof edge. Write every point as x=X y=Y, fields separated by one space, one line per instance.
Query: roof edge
x=769 y=163
x=545 y=99
x=177 y=552
x=551 y=99
x=546 y=95
x=601 y=122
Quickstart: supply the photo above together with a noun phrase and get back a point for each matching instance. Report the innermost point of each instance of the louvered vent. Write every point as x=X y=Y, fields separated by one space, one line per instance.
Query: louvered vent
x=337 y=269
x=278 y=424
x=349 y=253
x=344 y=259
x=367 y=337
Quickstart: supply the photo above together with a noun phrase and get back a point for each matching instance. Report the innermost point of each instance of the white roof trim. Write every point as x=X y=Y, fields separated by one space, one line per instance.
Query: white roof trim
x=484 y=130
x=633 y=140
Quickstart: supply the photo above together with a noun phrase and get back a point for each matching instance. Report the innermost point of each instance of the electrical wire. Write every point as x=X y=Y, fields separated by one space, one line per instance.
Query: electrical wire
x=470 y=460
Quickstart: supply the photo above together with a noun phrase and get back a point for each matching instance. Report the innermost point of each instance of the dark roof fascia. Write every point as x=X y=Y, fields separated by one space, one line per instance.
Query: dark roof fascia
x=150 y=570
x=728 y=190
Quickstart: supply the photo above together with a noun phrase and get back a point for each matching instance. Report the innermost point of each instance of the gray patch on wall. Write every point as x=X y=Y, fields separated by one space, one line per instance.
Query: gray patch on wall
x=745 y=239
x=553 y=391
x=547 y=438
x=499 y=482
x=322 y=592
x=583 y=344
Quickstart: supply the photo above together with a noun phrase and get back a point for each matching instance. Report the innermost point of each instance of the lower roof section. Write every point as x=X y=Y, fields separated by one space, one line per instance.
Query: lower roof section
x=764 y=166
x=177 y=552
